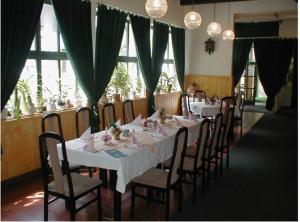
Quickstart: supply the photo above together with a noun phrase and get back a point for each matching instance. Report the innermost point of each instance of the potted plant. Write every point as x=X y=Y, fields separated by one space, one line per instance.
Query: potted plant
x=121 y=83
x=50 y=107
x=41 y=101
x=139 y=86
x=16 y=112
x=4 y=113
x=27 y=104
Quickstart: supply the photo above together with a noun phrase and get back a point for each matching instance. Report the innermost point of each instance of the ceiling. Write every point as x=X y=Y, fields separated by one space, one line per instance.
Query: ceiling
x=189 y=2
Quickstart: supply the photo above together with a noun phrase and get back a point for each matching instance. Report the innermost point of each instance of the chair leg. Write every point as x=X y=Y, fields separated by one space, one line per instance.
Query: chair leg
x=208 y=175
x=72 y=209
x=203 y=181
x=221 y=163
x=227 y=159
x=216 y=167
x=46 y=196
x=90 y=172
x=167 y=205
x=194 y=188
x=99 y=205
x=241 y=128
x=180 y=197
x=132 y=201
x=149 y=195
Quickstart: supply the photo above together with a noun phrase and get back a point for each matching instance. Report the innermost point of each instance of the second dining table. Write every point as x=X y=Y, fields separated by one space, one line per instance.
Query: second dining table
x=205 y=109
x=132 y=155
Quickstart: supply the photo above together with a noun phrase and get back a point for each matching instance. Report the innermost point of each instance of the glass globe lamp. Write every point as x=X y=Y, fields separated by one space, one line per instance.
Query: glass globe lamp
x=156 y=8
x=228 y=35
x=192 y=20
x=214 y=29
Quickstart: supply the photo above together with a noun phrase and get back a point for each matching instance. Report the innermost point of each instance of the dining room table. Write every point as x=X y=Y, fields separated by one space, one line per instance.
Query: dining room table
x=205 y=109
x=134 y=153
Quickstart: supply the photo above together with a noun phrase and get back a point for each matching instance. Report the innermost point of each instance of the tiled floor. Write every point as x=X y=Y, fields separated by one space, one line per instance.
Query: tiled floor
x=25 y=200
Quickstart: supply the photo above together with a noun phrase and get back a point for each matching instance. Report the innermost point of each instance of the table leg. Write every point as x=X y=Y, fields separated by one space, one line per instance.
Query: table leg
x=117 y=205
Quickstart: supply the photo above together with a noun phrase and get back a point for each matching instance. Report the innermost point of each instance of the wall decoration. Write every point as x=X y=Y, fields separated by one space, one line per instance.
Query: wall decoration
x=210 y=46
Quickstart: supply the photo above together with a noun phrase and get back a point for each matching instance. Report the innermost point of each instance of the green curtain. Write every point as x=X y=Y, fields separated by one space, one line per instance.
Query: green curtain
x=178 y=42
x=141 y=32
x=160 y=41
x=74 y=21
x=241 y=50
x=109 y=34
x=19 y=21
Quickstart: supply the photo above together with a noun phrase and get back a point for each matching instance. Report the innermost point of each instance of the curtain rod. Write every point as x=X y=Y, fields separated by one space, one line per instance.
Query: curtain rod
x=132 y=12
x=267 y=37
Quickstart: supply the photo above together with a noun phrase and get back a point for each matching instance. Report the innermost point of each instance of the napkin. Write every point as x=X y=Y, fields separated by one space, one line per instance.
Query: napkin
x=161 y=130
x=89 y=147
x=137 y=121
x=155 y=115
x=178 y=122
x=118 y=123
x=86 y=135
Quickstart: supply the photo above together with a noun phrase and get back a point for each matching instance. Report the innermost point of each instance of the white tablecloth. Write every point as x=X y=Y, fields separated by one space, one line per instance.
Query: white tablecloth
x=204 y=109
x=155 y=148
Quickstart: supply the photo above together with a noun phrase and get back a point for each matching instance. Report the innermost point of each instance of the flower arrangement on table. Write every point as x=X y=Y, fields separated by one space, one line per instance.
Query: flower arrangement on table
x=162 y=116
x=115 y=131
x=106 y=138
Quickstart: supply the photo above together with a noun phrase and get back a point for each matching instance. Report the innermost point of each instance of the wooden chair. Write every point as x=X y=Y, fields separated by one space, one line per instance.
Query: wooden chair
x=108 y=115
x=128 y=111
x=66 y=185
x=199 y=95
x=224 y=142
x=238 y=113
x=52 y=123
x=83 y=122
x=184 y=100
x=161 y=180
x=213 y=144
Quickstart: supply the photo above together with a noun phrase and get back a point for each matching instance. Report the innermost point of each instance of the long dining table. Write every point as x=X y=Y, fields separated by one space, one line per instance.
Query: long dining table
x=132 y=155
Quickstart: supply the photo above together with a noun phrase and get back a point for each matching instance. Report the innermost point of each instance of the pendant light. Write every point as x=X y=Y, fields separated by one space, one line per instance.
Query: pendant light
x=228 y=34
x=192 y=19
x=156 y=8
x=214 y=28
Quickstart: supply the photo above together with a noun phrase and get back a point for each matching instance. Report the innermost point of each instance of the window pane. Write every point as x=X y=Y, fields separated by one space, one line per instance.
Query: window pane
x=166 y=52
x=68 y=80
x=132 y=49
x=62 y=45
x=48 y=29
x=33 y=44
x=50 y=78
x=124 y=46
x=171 y=53
x=132 y=71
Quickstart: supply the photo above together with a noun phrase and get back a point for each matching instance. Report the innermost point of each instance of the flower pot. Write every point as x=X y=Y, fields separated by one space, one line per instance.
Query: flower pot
x=39 y=109
x=61 y=107
x=51 y=107
x=4 y=113
x=117 y=97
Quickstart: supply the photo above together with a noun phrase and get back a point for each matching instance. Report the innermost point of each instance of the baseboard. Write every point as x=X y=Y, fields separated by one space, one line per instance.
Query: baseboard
x=21 y=178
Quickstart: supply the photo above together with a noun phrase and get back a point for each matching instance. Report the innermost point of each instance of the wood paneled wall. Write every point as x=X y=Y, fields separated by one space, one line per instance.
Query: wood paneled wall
x=170 y=102
x=20 y=139
x=212 y=85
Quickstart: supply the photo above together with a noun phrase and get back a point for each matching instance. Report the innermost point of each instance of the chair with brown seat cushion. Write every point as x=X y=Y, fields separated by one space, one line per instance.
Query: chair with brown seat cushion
x=193 y=165
x=224 y=141
x=161 y=180
x=66 y=185
x=199 y=95
x=108 y=115
x=52 y=123
x=128 y=111
x=184 y=101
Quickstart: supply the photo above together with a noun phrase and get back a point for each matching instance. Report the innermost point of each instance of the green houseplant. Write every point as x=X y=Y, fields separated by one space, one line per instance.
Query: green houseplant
x=121 y=83
x=166 y=84
x=27 y=104
x=16 y=112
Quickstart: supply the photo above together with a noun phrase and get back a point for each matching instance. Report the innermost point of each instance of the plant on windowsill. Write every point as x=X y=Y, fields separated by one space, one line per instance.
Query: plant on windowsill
x=139 y=87
x=50 y=101
x=165 y=84
x=27 y=105
x=16 y=112
x=121 y=83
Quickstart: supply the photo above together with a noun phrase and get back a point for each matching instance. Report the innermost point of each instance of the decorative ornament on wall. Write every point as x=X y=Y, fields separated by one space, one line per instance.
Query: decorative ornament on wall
x=210 y=46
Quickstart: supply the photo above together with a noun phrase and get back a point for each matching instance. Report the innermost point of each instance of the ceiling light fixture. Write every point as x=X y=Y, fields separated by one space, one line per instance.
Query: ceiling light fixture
x=228 y=34
x=214 y=28
x=156 y=8
x=192 y=19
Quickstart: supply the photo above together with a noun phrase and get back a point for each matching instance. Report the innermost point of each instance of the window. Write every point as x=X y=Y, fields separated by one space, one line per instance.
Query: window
x=128 y=63
x=48 y=64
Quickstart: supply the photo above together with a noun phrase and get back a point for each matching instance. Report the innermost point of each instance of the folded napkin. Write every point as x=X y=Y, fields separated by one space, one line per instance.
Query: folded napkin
x=155 y=115
x=137 y=121
x=89 y=147
x=86 y=135
x=161 y=130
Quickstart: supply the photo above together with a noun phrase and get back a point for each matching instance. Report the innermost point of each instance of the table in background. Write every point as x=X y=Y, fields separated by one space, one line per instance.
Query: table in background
x=204 y=109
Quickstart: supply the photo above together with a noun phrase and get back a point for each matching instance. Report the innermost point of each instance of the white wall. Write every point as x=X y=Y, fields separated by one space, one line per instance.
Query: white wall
x=174 y=14
x=219 y=63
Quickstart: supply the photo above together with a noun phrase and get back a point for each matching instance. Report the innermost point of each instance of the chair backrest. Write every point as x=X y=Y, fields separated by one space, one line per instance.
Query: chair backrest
x=52 y=123
x=216 y=134
x=202 y=142
x=199 y=95
x=178 y=154
x=226 y=103
x=185 y=104
x=108 y=115
x=128 y=111
x=49 y=157
x=227 y=127
x=83 y=120
x=239 y=104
